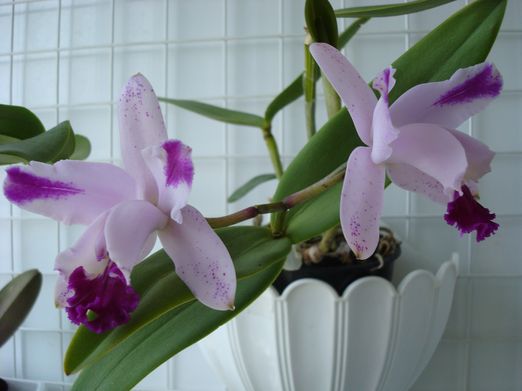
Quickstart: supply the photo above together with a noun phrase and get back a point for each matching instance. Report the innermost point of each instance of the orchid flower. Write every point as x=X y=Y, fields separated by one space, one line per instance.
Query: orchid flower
x=126 y=210
x=415 y=143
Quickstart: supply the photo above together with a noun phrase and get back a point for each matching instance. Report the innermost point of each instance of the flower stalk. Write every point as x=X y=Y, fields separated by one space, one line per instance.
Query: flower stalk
x=273 y=150
x=309 y=78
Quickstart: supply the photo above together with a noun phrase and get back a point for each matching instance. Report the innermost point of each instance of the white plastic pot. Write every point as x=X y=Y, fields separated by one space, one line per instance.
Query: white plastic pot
x=374 y=337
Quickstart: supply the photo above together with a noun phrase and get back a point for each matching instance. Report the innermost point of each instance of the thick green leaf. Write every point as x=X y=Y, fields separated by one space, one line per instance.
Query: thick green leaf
x=249 y=186
x=7 y=139
x=321 y=22
x=294 y=90
x=16 y=300
x=252 y=248
x=82 y=148
x=374 y=11
x=166 y=336
x=19 y=122
x=463 y=40
x=50 y=146
x=218 y=113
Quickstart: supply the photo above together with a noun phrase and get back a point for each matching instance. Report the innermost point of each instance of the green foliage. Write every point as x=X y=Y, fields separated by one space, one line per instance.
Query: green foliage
x=19 y=122
x=82 y=148
x=16 y=300
x=321 y=22
x=375 y=11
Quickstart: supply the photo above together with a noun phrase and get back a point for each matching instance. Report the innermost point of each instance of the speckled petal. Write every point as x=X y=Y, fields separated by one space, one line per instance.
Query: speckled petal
x=128 y=229
x=141 y=125
x=434 y=151
x=69 y=191
x=202 y=260
x=450 y=102
x=362 y=202
x=353 y=90
x=171 y=165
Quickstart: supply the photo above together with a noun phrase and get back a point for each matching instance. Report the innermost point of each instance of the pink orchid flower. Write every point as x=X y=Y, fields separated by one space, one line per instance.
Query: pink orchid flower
x=126 y=210
x=415 y=142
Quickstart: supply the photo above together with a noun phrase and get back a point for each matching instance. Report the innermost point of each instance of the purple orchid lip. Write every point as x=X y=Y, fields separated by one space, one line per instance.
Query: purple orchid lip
x=22 y=187
x=179 y=166
x=485 y=84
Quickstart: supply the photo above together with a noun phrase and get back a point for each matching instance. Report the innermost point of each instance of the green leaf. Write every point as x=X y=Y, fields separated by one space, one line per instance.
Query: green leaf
x=16 y=300
x=321 y=22
x=7 y=139
x=374 y=11
x=166 y=336
x=249 y=186
x=82 y=148
x=462 y=40
x=51 y=146
x=19 y=122
x=294 y=90
x=218 y=113
x=253 y=250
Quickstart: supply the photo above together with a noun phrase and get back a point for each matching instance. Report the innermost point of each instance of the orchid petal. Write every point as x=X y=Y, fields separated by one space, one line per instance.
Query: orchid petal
x=412 y=179
x=202 y=260
x=478 y=154
x=128 y=230
x=355 y=93
x=69 y=191
x=172 y=167
x=384 y=133
x=434 y=151
x=362 y=202
x=451 y=102
x=141 y=126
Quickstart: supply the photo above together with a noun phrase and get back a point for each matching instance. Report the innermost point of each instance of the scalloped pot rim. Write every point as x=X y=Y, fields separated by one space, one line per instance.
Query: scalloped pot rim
x=450 y=266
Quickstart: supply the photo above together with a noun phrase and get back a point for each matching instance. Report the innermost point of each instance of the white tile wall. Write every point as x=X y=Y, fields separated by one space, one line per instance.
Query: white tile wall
x=67 y=59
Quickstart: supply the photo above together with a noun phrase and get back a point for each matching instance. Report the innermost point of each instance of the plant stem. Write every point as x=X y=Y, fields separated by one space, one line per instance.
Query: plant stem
x=273 y=150
x=328 y=237
x=331 y=99
x=288 y=202
x=309 y=77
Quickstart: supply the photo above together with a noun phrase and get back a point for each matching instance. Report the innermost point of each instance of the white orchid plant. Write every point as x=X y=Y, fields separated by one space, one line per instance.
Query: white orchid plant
x=135 y=312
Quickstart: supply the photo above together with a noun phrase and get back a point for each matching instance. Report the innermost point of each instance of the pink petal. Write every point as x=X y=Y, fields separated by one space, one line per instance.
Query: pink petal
x=451 y=102
x=412 y=179
x=384 y=133
x=141 y=125
x=172 y=167
x=202 y=260
x=128 y=232
x=69 y=191
x=361 y=202
x=434 y=151
x=478 y=154
x=355 y=93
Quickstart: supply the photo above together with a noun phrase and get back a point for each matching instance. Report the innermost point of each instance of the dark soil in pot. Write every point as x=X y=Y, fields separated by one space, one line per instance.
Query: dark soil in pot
x=339 y=268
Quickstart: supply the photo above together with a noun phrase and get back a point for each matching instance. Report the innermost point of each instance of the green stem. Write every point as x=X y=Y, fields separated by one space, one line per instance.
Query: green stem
x=331 y=99
x=309 y=79
x=326 y=240
x=288 y=202
x=273 y=151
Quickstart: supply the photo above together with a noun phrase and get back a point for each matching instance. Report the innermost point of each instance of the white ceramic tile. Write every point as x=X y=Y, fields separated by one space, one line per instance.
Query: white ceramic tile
x=47 y=117
x=507 y=56
x=78 y=18
x=44 y=315
x=139 y=21
x=69 y=234
x=512 y=16
x=5 y=28
x=294 y=127
x=205 y=136
x=4 y=203
x=293 y=16
x=85 y=76
x=35 y=244
x=7 y=363
x=388 y=24
x=94 y=122
x=157 y=379
x=500 y=125
x=186 y=375
x=253 y=67
x=148 y=60
x=497 y=307
x=196 y=19
x=495 y=366
x=41 y=356
x=293 y=59
x=5 y=246
x=371 y=54
x=500 y=253
x=421 y=205
x=458 y=318
x=5 y=78
x=208 y=188
x=34 y=79
x=36 y=26
x=430 y=19
x=446 y=370
x=252 y=17
x=394 y=201
x=196 y=70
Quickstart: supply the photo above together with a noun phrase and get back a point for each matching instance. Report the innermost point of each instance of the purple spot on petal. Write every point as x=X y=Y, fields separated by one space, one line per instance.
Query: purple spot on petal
x=468 y=215
x=179 y=167
x=485 y=84
x=21 y=187
x=101 y=303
